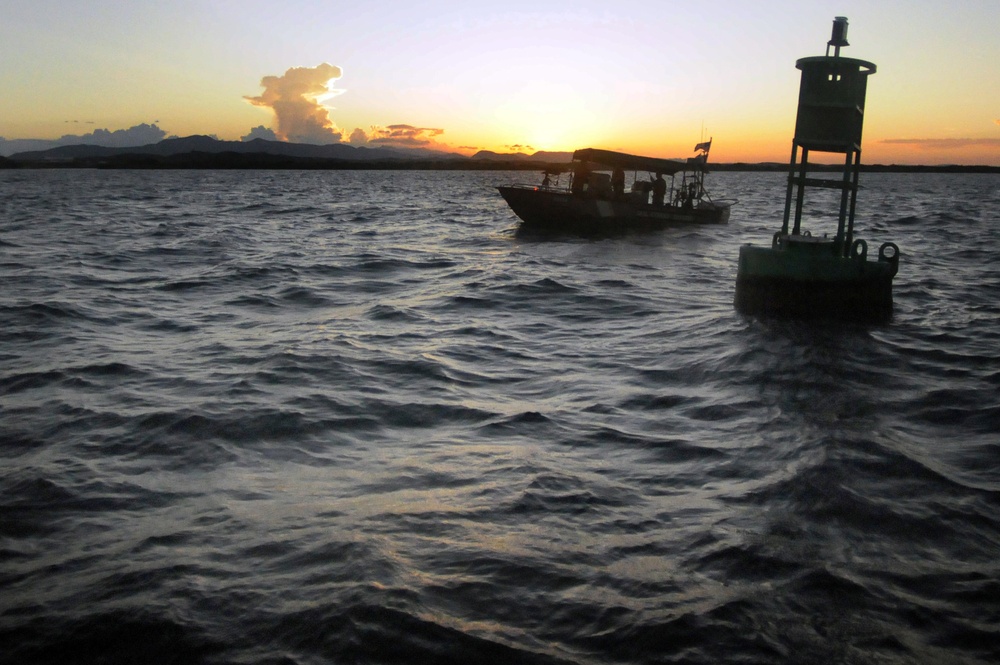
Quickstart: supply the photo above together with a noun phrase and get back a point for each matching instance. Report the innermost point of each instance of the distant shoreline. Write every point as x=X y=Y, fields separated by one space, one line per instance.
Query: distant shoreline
x=263 y=161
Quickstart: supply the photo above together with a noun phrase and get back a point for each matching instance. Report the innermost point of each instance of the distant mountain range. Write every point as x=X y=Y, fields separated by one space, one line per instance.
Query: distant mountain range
x=541 y=156
x=173 y=147
x=200 y=152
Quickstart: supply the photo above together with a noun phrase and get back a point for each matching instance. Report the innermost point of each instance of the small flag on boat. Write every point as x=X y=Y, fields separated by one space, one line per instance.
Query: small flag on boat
x=703 y=146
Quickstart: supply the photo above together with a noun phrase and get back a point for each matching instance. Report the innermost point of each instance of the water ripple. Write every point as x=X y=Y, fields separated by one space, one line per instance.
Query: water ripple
x=298 y=417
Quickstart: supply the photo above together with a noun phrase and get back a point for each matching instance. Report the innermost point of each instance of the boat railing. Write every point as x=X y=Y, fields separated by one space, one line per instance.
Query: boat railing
x=638 y=191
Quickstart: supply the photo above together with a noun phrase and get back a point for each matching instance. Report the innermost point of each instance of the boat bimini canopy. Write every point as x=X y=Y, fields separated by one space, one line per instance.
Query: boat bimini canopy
x=611 y=159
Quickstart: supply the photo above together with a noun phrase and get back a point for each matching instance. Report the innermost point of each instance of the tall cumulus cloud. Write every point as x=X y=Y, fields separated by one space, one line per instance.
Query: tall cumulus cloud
x=296 y=98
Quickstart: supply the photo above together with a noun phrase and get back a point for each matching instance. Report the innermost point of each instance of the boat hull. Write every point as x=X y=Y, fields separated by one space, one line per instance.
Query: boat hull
x=784 y=282
x=558 y=211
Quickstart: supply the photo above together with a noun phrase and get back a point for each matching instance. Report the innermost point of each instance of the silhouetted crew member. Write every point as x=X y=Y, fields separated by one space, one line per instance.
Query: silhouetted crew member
x=692 y=194
x=659 y=189
x=618 y=183
x=581 y=176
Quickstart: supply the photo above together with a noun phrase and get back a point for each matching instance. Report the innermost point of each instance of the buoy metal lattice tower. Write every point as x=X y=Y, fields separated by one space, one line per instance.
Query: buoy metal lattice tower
x=830 y=119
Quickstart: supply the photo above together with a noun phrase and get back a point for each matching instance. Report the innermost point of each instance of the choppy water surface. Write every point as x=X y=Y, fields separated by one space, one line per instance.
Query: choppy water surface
x=352 y=417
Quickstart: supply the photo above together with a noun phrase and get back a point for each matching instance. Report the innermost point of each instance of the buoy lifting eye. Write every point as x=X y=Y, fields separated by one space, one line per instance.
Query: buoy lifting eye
x=859 y=249
x=888 y=252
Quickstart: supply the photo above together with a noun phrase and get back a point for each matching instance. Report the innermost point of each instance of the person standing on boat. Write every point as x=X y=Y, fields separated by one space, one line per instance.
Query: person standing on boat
x=692 y=194
x=618 y=182
x=581 y=176
x=659 y=189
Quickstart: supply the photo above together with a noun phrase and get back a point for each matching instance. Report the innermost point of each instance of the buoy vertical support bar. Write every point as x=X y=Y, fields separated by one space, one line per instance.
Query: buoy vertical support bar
x=800 y=195
x=854 y=202
x=847 y=192
x=790 y=188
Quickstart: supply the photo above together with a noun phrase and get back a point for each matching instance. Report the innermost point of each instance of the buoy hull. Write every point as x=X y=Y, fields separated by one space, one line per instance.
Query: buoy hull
x=785 y=282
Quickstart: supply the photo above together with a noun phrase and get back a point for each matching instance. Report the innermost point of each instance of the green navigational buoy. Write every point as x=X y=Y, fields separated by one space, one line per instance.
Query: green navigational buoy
x=810 y=276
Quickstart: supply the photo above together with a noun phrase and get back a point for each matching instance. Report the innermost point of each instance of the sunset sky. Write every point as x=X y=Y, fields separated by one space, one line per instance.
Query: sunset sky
x=647 y=77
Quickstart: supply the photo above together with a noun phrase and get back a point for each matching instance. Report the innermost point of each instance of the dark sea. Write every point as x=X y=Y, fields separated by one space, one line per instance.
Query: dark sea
x=352 y=417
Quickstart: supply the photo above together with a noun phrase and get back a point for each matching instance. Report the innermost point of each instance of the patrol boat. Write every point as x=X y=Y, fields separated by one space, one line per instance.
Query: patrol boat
x=594 y=201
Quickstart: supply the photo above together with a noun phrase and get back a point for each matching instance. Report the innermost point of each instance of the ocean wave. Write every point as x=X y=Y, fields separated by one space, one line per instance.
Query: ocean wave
x=298 y=417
